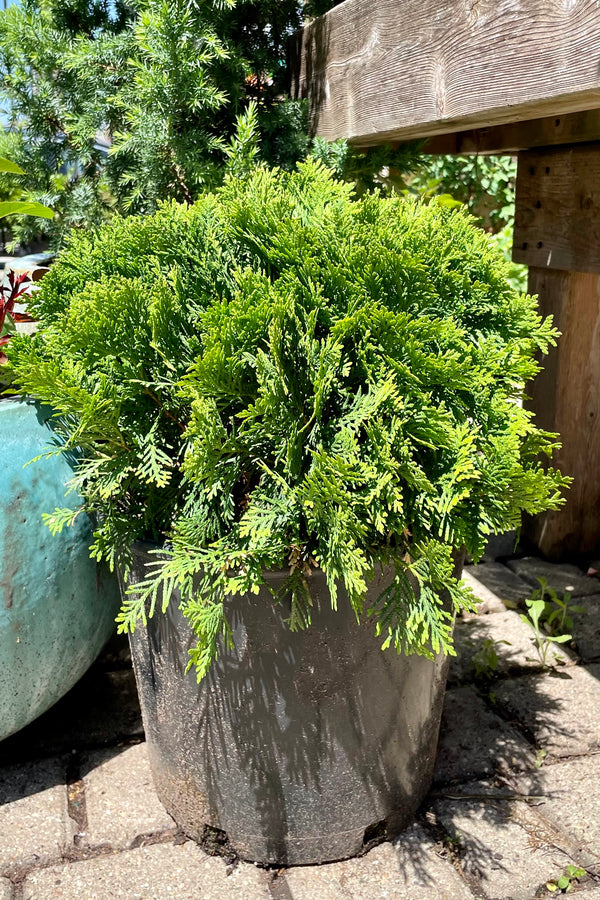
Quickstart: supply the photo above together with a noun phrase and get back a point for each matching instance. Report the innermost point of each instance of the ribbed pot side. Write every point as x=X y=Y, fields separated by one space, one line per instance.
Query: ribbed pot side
x=302 y=747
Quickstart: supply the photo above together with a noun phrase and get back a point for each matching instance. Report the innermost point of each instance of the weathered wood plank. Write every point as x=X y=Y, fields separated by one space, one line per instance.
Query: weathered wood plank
x=566 y=398
x=398 y=71
x=574 y=128
x=557 y=217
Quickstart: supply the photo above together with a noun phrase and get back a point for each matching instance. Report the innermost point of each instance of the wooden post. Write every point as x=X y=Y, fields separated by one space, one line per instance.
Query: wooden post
x=557 y=232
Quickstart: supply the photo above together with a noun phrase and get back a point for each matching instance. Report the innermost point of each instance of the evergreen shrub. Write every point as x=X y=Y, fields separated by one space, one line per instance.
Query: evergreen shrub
x=282 y=376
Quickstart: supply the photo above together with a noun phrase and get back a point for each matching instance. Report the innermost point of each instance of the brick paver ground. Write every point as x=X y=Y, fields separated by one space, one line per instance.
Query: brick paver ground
x=408 y=867
x=515 y=797
x=475 y=741
x=182 y=872
x=34 y=824
x=558 y=709
x=570 y=791
x=110 y=777
x=494 y=845
x=586 y=627
x=493 y=583
x=559 y=577
x=513 y=641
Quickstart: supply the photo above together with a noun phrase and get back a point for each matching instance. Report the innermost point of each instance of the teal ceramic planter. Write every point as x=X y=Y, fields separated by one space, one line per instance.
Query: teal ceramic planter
x=57 y=606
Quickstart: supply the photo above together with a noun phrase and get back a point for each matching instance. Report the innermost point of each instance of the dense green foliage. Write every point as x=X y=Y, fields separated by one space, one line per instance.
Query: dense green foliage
x=486 y=185
x=282 y=376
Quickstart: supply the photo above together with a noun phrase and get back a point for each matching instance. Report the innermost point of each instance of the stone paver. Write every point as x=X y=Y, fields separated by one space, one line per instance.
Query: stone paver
x=559 y=576
x=513 y=641
x=496 y=851
x=407 y=869
x=571 y=797
x=34 y=822
x=586 y=627
x=116 y=655
x=488 y=601
x=158 y=872
x=474 y=742
x=492 y=583
x=6 y=890
x=101 y=709
x=587 y=893
x=500 y=546
x=121 y=802
x=560 y=712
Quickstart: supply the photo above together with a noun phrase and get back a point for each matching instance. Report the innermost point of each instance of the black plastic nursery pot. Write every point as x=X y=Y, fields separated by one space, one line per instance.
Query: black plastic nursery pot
x=298 y=747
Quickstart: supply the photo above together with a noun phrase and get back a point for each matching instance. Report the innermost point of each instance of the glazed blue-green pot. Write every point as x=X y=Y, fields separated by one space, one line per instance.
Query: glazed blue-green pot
x=57 y=606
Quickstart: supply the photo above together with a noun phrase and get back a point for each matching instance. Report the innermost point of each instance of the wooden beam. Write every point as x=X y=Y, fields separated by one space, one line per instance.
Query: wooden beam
x=557 y=217
x=574 y=128
x=388 y=71
x=566 y=398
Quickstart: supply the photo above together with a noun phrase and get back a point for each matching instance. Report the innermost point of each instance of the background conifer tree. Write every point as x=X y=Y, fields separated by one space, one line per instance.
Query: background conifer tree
x=163 y=82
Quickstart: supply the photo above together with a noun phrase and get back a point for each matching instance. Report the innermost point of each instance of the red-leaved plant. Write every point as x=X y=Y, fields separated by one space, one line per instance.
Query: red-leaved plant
x=14 y=287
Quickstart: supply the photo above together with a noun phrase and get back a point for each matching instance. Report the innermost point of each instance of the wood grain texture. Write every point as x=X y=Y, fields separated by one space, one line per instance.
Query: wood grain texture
x=557 y=215
x=566 y=398
x=574 y=128
x=398 y=71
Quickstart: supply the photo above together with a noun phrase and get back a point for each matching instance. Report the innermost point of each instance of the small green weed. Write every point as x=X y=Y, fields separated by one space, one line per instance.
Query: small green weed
x=484 y=661
x=564 y=883
x=548 y=615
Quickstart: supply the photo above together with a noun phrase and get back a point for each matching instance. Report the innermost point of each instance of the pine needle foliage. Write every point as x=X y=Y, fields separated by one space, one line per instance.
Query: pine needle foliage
x=282 y=376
